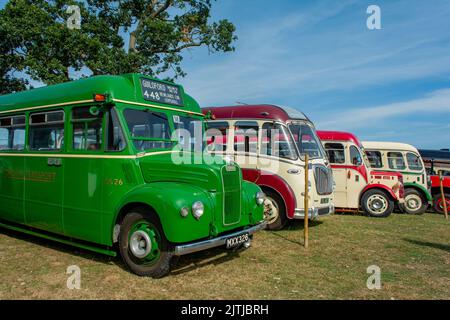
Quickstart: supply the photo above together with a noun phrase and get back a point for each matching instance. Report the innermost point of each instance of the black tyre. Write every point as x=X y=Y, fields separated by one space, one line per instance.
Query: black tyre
x=438 y=204
x=377 y=203
x=143 y=245
x=415 y=202
x=274 y=211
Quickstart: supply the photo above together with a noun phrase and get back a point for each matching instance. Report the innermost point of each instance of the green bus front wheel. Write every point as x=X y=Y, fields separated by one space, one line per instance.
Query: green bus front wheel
x=143 y=247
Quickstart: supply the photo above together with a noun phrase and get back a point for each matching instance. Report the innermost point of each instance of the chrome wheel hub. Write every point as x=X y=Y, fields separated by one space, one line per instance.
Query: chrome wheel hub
x=413 y=202
x=377 y=204
x=140 y=244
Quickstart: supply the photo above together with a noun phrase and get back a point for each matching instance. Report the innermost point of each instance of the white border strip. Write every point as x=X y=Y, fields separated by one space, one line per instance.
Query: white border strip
x=84 y=156
x=47 y=106
x=158 y=107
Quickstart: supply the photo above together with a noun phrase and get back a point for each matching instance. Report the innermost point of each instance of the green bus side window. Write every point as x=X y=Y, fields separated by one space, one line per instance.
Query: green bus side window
x=116 y=138
x=4 y=138
x=12 y=133
x=87 y=129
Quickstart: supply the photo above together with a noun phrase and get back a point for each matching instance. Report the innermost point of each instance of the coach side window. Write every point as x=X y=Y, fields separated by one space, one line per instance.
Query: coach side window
x=396 y=161
x=12 y=133
x=375 y=158
x=47 y=131
x=216 y=135
x=87 y=128
x=335 y=152
x=246 y=136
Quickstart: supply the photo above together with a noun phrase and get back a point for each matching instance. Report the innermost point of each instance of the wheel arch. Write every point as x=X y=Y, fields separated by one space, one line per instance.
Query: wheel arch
x=427 y=195
x=130 y=207
x=380 y=187
x=282 y=188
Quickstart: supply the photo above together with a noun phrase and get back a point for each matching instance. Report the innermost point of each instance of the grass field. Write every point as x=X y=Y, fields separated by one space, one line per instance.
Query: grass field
x=413 y=253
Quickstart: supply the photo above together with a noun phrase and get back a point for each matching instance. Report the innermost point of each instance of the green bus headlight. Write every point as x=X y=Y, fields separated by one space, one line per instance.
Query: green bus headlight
x=198 y=209
x=260 y=197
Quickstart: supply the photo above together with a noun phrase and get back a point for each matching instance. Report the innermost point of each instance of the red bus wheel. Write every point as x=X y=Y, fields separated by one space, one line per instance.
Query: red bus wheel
x=438 y=204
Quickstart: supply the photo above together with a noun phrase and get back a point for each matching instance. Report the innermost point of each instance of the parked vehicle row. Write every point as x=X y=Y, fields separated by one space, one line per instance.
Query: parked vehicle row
x=131 y=165
x=357 y=184
x=269 y=143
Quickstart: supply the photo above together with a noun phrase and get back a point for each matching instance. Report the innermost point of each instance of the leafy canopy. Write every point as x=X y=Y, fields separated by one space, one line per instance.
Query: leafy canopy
x=36 y=41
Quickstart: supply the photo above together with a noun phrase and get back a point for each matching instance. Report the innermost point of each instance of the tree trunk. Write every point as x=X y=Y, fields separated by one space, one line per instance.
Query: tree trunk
x=132 y=43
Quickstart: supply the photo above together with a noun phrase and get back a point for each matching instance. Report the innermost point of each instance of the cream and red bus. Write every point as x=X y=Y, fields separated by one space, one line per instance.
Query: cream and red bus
x=269 y=143
x=406 y=159
x=357 y=185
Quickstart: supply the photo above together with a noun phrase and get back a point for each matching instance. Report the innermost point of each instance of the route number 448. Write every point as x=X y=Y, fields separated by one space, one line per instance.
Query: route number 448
x=153 y=95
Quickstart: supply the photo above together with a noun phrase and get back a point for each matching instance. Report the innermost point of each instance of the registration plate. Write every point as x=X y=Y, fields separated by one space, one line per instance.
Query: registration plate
x=237 y=240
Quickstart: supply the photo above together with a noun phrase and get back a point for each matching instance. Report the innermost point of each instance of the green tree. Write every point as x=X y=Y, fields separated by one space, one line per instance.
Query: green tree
x=9 y=61
x=45 y=49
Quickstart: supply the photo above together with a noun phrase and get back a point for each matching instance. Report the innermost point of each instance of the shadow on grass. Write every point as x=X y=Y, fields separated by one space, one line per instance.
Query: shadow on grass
x=180 y=265
x=440 y=246
x=188 y=263
x=295 y=225
x=62 y=247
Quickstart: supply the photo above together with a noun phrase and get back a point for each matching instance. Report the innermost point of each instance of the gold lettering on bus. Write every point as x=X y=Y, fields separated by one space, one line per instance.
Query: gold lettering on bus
x=36 y=176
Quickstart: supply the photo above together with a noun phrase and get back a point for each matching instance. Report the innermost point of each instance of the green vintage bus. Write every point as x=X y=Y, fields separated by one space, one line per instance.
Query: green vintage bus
x=91 y=163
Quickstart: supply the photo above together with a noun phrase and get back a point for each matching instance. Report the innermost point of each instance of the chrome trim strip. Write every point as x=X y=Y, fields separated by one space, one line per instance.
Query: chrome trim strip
x=313 y=213
x=183 y=249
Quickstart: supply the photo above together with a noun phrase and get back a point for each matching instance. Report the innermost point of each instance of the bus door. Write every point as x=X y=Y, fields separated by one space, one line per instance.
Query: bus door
x=12 y=140
x=44 y=171
x=336 y=156
x=84 y=174
x=356 y=177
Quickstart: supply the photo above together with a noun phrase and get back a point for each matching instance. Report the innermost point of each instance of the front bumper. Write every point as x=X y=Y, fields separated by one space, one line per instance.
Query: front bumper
x=314 y=213
x=187 y=248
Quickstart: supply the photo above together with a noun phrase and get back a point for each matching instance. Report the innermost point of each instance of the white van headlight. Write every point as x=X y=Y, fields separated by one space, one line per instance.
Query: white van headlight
x=198 y=209
x=260 y=197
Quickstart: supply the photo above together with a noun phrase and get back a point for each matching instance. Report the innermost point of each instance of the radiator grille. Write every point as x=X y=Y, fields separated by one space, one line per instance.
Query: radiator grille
x=232 y=194
x=324 y=180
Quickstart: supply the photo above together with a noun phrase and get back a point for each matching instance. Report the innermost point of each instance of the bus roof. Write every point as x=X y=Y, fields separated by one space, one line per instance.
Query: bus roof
x=338 y=136
x=125 y=87
x=435 y=154
x=260 y=111
x=384 y=145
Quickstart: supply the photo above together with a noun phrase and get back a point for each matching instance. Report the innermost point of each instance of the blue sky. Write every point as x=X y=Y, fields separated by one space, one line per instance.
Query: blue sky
x=391 y=84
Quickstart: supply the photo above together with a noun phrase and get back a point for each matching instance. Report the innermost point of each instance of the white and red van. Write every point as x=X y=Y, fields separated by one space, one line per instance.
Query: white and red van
x=269 y=143
x=357 y=185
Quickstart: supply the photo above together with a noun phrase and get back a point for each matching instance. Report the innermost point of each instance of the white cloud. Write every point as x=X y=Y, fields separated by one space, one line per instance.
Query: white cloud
x=371 y=117
x=303 y=53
